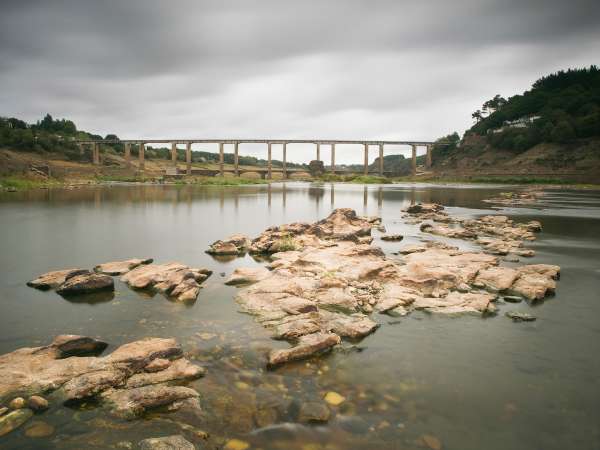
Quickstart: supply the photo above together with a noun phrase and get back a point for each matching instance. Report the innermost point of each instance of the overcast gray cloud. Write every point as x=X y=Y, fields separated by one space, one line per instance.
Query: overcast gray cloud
x=346 y=69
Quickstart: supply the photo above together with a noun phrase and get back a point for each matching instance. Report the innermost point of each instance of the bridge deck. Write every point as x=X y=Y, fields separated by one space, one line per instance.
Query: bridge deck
x=248 y=141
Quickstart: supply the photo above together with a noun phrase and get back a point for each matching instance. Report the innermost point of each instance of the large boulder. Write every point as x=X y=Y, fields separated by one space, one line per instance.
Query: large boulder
x=236 y=244
x=86 y=284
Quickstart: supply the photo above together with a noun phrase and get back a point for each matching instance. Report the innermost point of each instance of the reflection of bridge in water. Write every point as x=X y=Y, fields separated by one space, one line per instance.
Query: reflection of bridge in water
x=266 y=172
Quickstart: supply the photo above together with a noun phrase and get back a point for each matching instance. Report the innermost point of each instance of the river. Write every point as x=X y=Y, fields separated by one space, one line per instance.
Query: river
x=467 y=382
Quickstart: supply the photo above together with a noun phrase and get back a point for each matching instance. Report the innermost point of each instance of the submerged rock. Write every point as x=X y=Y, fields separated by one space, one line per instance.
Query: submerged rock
x=314 y=412
x=236 y=244
x=52 y=280
x=121 y=267
x=176 y=280
x=37 y=403
x=39 y=429
x=175 y=442
x=17 y=403
x=86 y=284
x=14 y=420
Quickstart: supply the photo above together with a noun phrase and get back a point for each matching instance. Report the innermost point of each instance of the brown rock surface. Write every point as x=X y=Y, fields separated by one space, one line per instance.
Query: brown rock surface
x=86 y=284
x=121 y=267
x=236 y=244
x=52 y=280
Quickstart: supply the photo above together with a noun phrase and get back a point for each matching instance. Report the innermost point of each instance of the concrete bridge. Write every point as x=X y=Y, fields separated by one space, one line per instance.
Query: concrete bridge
x=268 y=171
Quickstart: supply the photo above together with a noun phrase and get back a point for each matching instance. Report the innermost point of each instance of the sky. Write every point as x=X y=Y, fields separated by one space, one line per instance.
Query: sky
x=323 y=69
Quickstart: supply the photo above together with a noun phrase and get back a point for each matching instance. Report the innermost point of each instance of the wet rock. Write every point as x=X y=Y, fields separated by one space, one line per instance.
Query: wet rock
x=131 y=403
x=512 y=299
x=518 y=316
x=74 y=345
x=431 y=442
x=236 y=244
x=307 y=346
x=52 y=280
x=314 y=412
x=86 y=284
x=175 y=442
x=392 y=237
x=236 y=444
x=247 y=275
x=39 y=429
x=14 y=420
x=447 y=231
x=457 y=302
x=334 y=399
x=178 y=370
x=17 y=403
x=37 y=403
x=173 y=279
x=121 y=267
x=422 y=208
x=3 y=410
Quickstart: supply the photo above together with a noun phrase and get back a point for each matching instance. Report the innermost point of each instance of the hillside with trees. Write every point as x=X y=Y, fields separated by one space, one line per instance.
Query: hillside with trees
x=554 y=126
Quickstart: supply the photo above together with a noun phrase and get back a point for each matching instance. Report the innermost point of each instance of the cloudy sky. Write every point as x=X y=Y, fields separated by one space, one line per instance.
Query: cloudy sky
x=345 y=69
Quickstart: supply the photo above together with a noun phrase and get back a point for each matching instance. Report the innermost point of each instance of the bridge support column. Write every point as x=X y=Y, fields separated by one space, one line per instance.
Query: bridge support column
x=127 y=154
x=236 y=159
x=414 y=160
x=96 y=154
x=221 y=160
x=269 y=166
x=428 y=157
x=318 y=151
x=332 y=158
x=81 y=149
x=366 y=161
x=188 y=158
x=380 y=160
x=174 y=153
x=285 y=160
x=142 y=163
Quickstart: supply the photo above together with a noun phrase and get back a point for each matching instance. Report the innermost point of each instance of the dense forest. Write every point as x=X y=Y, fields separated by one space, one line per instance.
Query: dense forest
x=57 y=136
x=560 y=108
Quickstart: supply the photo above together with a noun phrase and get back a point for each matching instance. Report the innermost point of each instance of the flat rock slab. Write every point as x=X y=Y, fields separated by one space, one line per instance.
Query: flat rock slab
x=247 y=275
x=307 y=346
x=52 y=280
x=121 y=267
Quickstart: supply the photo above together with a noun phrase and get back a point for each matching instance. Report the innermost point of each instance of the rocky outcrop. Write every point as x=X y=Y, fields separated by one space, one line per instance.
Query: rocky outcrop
x=121 y=267
x=52 y=280
x=175 y=280
x=236 y=244
x=119 y=379
x=326 y=288
x=525 y=198
x=247 y=275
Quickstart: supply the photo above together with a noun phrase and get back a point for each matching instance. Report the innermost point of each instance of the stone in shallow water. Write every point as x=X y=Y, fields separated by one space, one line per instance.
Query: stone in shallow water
x=175 y=442
x=14 y=420
x=314 y=412
x=236 y=244
x=86 y=284
x=334 y=399
x=497 y=278
x=52 y=280
x=512 y=299
x=17 y=403
x=392 y=237
x=39 y=429
x=236 y=444
x=247 y=275
x=121 y=267
x=307 y=346
x=518 y=316
x=37 y=403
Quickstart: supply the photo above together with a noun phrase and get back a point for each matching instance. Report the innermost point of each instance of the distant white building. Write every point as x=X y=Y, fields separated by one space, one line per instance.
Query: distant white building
x=521 y=122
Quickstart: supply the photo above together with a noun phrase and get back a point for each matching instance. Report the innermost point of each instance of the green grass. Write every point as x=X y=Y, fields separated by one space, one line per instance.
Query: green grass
x=371 y=179
x=23 y=184
x=122 y=178
x=286 y=244
x=223 y=181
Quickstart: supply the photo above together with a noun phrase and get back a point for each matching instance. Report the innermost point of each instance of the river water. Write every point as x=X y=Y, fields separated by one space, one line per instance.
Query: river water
x=467 y=382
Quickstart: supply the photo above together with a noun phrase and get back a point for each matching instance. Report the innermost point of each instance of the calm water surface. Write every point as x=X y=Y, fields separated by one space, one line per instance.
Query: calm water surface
x=473 y=383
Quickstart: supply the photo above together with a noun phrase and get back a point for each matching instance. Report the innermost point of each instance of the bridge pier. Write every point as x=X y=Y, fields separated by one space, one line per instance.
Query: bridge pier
x=333 y=158
x=285 y=161
x=380 y=160
x=366 y=161
x=174 y=153
x=141 y=164
x=236 y=159
x=188 y=158
x=221 y=160
x=318 y=151
x=269 y=166
x=428 y=157
x=414 y=160
x=127 y=154
x=96 y=154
